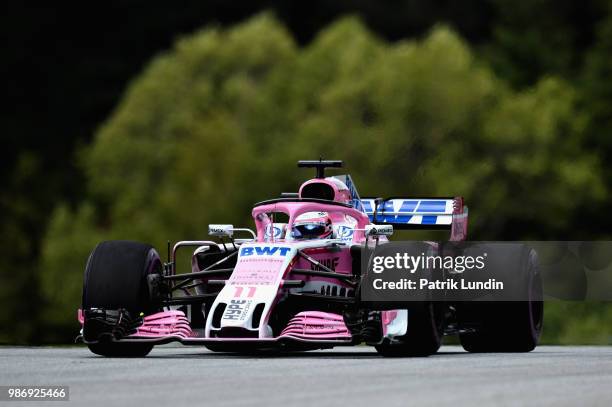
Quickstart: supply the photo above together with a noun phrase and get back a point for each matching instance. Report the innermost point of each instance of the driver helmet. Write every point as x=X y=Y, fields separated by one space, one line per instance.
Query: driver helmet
x=312 y=225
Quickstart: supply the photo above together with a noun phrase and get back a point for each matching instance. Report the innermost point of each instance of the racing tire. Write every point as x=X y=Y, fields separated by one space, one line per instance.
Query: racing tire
x=424 y=335
x=425 y=319
x=115 y=279
x=507 y=326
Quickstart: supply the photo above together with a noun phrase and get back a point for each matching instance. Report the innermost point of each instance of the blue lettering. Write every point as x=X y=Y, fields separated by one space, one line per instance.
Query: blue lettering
x=264 y=251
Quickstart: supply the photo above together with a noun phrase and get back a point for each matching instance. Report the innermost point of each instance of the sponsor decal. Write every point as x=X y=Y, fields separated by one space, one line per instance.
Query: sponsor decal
x=345 y=232
x=404 y=211
x=273 y=231
x=379 y=230
x=237 y=310
x=264 y=251
x=330 y=263
x=220 y=230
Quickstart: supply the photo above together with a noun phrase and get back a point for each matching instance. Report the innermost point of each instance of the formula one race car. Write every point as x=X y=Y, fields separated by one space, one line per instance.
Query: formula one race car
x=293 y=284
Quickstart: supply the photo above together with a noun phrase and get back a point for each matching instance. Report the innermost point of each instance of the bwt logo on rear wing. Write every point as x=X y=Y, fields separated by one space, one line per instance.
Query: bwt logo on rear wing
x=419 y=213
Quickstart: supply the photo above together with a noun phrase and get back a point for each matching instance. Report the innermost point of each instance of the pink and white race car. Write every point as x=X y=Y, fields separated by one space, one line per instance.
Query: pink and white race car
x=292 y=284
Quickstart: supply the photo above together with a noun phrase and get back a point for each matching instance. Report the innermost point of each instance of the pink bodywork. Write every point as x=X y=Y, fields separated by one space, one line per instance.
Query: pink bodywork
x=166 y=323
x=159 y=325
x=254 y=272
x=305 y=326
x=317 y=325
x=295 y=209
x=340 y=194
x=339 y=261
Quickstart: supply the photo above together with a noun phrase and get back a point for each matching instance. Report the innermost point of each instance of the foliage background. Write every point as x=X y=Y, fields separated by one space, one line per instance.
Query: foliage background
x=508 y=106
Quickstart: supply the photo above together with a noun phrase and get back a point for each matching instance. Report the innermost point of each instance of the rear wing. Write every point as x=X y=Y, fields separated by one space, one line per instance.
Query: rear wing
x=419 y=213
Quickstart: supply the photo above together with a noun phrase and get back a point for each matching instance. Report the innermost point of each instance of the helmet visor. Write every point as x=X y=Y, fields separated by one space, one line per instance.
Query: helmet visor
x=310 y=231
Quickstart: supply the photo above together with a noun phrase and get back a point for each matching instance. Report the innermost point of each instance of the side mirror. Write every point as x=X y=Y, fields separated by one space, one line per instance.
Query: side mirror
x=221 y=230
x=378 y=230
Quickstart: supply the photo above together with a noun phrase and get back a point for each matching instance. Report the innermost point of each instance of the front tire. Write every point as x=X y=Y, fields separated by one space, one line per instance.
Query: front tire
x=115 y=283
x=424 y=335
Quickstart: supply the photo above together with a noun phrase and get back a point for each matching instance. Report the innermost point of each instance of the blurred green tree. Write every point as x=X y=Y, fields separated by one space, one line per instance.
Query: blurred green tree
x=596 y=88
x=533 y=39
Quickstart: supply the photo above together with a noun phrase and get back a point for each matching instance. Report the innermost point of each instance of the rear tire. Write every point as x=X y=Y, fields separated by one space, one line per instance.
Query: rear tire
x=507 y=326
x=115 y=279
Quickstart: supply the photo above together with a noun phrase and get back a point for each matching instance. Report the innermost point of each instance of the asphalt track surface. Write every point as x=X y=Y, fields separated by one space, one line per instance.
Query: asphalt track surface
x=176 y=376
